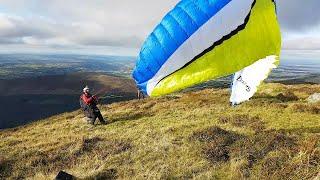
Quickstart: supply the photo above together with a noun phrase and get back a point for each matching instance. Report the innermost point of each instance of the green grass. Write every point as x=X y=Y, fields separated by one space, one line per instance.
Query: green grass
x=196 y=135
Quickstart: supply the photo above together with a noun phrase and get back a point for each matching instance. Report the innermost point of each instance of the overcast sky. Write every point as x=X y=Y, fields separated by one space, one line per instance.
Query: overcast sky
x=120 y=26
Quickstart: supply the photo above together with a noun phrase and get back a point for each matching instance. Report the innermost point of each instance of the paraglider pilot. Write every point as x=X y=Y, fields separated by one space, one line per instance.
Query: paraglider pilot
x=88 y=104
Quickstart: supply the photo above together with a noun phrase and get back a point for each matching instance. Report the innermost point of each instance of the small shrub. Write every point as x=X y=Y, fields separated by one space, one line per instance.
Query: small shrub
x=287 y=96
x=218 y=143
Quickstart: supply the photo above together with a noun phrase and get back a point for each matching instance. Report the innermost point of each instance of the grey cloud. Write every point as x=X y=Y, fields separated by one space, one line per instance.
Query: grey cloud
x=299 y=15
x=131 y=41
x=123 y=23
x=8 y=40
x=15 y=27
x=100 y=23
x=307 y=43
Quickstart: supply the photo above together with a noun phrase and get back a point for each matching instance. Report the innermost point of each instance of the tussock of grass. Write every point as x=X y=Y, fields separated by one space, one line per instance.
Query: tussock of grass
x=197 y=135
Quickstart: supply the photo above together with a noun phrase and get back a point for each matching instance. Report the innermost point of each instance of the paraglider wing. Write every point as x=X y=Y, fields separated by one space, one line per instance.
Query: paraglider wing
x=200 y=40
x=245 y=82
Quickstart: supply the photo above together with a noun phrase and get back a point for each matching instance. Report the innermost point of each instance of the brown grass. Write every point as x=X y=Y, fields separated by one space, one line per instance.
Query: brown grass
x=243 y=120
x=64 y=157
x=306 y=108
x=273 y=153
x=218 y=142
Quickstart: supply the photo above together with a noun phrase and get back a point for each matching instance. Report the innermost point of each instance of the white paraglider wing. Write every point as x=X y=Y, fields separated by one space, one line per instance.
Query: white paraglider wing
x=246 y=82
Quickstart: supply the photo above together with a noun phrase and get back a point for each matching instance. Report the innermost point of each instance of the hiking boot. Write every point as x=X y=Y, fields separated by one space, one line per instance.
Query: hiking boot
x=104 y=122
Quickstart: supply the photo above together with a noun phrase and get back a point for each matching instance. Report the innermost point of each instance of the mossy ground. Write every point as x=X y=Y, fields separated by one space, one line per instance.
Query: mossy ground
x=196 y=135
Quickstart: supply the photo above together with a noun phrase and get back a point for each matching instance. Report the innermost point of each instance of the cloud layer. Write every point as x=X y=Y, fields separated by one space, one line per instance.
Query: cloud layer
x=98 y=23
x=123 y=23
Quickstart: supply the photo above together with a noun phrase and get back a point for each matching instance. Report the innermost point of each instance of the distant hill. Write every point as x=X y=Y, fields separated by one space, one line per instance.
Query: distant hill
x=28 y=99
x=13 y=66
x=67 y=84
x=193 y=135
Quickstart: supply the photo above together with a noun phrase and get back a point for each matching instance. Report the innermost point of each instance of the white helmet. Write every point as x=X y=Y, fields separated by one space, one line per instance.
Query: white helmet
x=86 y=89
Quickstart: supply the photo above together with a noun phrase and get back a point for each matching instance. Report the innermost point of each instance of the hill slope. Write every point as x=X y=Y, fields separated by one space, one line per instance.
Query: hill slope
x=190 y=135
x=66 y=84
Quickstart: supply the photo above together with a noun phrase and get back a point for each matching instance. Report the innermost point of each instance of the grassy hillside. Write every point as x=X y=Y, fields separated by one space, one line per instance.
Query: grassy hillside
x=191 y=135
